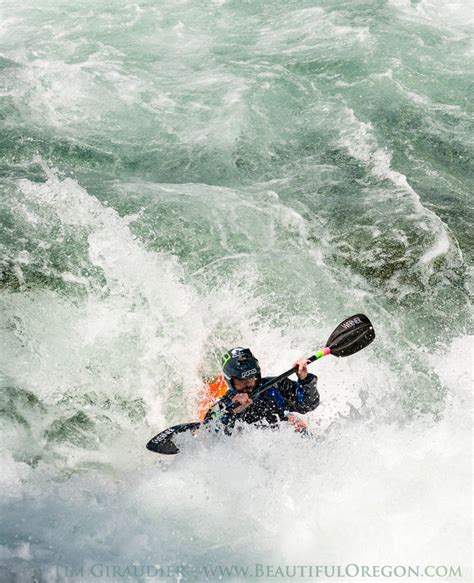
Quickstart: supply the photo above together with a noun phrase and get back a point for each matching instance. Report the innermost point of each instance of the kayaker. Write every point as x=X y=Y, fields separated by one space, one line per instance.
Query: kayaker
x=242 y=375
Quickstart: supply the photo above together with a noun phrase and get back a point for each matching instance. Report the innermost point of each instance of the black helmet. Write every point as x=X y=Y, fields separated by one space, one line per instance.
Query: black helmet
x=239 y=363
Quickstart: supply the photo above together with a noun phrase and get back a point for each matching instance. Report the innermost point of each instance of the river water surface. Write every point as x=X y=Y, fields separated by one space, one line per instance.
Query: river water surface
x=179 y=177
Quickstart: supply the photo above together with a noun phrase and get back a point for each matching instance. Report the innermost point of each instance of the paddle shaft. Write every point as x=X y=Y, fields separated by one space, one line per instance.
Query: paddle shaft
x=323 y=352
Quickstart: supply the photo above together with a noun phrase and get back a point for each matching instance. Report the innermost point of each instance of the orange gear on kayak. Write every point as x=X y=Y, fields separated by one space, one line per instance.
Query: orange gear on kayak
x=214 y=389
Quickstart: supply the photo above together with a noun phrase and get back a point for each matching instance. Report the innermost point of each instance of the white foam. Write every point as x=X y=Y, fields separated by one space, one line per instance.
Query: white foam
x=358 y=139
x=456 y=17
x=367 y=495
x=13 y=476
x=299 y=31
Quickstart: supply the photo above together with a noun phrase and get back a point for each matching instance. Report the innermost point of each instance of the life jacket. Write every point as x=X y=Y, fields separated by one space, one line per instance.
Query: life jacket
x=214 y=388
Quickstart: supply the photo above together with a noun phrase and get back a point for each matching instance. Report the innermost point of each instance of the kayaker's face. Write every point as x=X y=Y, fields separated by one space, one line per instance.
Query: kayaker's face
x=245 y=385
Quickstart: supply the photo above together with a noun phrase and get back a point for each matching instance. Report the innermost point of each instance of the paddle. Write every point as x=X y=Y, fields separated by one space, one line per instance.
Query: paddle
x=352 y=335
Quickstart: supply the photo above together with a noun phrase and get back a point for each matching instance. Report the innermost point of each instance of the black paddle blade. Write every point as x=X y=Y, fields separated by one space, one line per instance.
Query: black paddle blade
x=351 y=336
x=163 y=442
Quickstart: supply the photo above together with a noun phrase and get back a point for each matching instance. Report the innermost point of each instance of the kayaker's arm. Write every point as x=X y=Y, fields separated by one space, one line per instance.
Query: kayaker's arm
x=223 y=411
x=241 y=402
x=301 y=396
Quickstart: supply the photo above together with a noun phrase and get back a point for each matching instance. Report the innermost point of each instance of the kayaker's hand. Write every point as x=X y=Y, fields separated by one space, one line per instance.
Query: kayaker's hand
x=301 y=368
x=244 y=400
x=298 y=424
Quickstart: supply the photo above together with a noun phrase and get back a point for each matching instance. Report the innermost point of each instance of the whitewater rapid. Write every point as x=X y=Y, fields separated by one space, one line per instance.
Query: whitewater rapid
x=183 y=177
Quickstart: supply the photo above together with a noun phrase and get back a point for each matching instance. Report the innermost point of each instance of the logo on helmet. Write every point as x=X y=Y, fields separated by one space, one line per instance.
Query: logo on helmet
x=249 y=373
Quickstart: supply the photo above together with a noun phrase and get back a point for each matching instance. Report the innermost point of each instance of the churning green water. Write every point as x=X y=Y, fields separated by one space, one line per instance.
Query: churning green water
x=179 y=177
